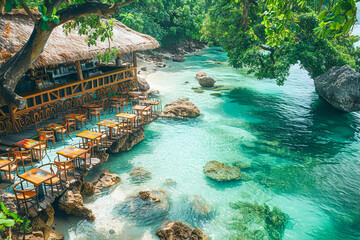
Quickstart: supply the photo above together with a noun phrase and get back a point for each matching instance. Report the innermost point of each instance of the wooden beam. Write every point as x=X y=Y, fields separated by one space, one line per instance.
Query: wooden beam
x=134 y=59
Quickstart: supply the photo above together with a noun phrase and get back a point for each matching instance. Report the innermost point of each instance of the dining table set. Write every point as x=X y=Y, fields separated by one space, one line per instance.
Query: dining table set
x=48 y=180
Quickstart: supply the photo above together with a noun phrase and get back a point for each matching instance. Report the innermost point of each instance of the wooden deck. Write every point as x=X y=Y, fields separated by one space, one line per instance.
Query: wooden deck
x=71 y=141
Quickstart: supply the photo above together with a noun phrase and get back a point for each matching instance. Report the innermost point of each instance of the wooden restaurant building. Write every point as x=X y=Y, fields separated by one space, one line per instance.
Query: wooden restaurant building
x=68 y=73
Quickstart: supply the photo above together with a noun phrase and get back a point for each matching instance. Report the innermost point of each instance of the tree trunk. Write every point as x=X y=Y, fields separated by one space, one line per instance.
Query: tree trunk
x=245 y=14
x=12 y=71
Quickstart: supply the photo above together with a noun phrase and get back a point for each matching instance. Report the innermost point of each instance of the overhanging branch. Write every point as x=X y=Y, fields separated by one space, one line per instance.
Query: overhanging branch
x=88 y=8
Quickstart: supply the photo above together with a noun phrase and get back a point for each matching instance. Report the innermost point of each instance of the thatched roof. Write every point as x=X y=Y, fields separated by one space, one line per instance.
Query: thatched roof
x=16 y=28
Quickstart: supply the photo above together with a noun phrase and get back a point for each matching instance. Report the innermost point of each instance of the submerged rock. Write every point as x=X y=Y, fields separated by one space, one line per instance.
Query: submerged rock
x=221 y=172
x=180 y=231
x=340 y=86
x=72 y=203
x=200 y=210
x=180 y=108
x=106 y=179
x=139 y=174
x=198 y=91
x=146 y=208
x=242 y=165
x=257 y=221
x=170 y=183
x=216 y=94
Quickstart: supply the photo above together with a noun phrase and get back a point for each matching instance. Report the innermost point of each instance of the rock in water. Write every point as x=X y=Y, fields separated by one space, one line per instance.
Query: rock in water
x=200 y=209
x=139 y=175
x=340 y=86
x=72 y=203
x=206 y=81
x=143 y=84
x=200 y=75
x=221 y=172
x=257 y=221
x=106 y=179
x=180 y=108
x=146 y=208
x=180 y=231
x=178 y=58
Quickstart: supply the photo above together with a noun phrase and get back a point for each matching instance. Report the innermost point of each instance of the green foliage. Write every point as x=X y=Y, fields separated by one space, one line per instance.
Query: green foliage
x=276 y=36
x=169 y=21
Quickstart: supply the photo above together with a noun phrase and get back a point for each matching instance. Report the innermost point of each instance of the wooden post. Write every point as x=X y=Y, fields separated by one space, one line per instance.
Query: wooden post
x=134 y=59
x=79 y=71
x=80 y=74
x=12 y=110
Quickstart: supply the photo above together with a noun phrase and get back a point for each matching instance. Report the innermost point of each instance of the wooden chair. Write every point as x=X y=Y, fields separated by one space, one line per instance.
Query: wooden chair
x=103 y=140
x=41 y=148
x=61 y=131
x=49 y=135
x=70 y=122
x=117 y=105
x=86 y=157
x=96 y=112
x=146 y=115
x=24 y=195
x=22 y=156
x=10 y=167
x=65 y=166
x=83 y=119
x=55 y=181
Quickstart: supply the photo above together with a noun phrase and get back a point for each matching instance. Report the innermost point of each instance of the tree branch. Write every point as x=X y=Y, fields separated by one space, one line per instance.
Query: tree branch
x=89 y=8
x=28 y=12
x=55 y=4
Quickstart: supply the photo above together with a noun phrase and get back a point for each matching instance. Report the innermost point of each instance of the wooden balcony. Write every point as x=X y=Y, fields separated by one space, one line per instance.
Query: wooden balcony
x=46 y=103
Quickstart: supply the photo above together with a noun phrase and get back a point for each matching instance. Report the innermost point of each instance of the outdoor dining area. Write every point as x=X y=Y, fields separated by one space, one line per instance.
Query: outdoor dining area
x=40 y=168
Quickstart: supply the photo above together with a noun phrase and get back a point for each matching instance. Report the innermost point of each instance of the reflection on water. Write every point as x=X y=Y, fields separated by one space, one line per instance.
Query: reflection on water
x=304 y=158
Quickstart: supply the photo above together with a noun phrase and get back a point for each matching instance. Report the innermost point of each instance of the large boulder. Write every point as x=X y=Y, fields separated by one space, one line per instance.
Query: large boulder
x=340 y=86
x=221 y=172
x=180 y=231
x=72 y=203
x=41 y=226
x=143 y=84
x=146 y=207
x=180 y=108
x=206 y=81
x=126 y=142
x=106 y=179
x=139 y=175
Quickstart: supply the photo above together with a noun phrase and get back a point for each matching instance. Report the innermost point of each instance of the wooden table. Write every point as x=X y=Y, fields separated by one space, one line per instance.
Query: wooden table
x=139 y=108
x=27 y=143
x=109 y=124
x=54 y=126
x=71 y=152
x=37 y=176
x=90 y=135
x=128 y=116
x=135 y=94
x=74 y=116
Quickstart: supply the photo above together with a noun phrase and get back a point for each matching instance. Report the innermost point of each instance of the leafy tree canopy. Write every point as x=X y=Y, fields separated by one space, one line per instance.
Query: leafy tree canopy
x=267 y=37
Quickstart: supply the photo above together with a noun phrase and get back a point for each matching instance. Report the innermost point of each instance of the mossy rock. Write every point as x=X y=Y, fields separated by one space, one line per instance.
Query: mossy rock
x=221 y=172
x=198 y=91
x=245 y=177
x=216 y=94
x=194 y=88
x=242 y=165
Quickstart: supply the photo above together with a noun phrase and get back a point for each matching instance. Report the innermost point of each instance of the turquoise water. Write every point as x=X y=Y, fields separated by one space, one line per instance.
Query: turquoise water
x=304 y=156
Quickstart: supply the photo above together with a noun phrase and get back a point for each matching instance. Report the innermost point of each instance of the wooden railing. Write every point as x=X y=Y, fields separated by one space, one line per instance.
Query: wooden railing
x=48 y=103
x=54 y=94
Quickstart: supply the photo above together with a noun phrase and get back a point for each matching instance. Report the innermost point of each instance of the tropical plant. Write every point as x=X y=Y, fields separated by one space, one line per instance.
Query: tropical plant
x=9 y=221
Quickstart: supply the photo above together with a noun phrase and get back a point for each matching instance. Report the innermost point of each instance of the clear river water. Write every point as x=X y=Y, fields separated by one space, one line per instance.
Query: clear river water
x=304 y=156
